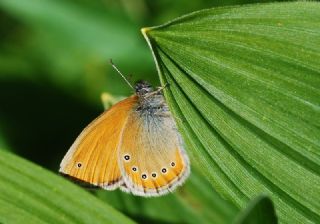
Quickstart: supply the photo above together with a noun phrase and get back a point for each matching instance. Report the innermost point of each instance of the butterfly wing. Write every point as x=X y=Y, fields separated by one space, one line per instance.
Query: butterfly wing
x=151 y=155
x=93 y=157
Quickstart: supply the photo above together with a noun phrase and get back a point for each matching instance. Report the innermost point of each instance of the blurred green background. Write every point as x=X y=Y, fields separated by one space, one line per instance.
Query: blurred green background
x=54 y=65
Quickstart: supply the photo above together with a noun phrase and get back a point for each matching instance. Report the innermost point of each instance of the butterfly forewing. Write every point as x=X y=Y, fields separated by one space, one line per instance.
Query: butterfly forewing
x=93 y=157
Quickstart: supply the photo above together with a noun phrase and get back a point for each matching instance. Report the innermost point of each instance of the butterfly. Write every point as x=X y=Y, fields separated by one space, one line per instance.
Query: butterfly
x=134 y=146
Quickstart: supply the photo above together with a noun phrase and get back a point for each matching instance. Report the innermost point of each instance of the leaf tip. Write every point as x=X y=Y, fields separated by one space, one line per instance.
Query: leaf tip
x=145 y=31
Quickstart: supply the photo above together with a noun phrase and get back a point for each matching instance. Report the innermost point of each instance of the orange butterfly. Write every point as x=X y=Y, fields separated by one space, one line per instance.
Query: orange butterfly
x=134 y=145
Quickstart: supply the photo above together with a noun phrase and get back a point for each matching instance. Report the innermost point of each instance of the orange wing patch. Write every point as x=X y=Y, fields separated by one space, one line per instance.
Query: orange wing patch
x=93 y=157
x=159 y=176
x=151 y=156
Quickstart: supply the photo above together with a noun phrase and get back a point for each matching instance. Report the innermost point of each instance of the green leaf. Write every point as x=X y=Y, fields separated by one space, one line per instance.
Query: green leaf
x=259 y=210
x=194 y=202
x=244 y=87
x=30 y=193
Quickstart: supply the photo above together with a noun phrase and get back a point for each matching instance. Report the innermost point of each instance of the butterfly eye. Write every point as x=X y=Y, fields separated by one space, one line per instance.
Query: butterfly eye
x=79 y=165
x=153 y=174
x=164 y=170
x=173 y=164
x=134 y=169
x=144 y=176
x=126 y=157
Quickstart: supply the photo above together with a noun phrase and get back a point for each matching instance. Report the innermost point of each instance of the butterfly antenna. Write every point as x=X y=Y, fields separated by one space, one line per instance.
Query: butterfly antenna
x=125 y=79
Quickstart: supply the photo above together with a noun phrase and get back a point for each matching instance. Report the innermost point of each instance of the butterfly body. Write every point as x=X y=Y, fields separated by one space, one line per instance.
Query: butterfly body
x=135 y=146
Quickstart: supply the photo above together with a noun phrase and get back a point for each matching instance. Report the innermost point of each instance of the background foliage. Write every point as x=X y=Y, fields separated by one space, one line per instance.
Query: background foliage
x=53 y=67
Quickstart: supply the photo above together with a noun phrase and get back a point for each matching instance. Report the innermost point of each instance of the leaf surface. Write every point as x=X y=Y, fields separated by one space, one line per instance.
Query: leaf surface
x=259 y=210
x=244 y=87
x=29 y=192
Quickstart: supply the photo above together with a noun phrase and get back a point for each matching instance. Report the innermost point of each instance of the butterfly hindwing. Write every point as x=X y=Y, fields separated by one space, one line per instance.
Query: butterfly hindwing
x=93 y=157
x=151 y=155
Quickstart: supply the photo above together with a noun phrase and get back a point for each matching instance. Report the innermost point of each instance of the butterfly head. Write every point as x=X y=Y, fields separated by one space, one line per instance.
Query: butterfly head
x=142 y=88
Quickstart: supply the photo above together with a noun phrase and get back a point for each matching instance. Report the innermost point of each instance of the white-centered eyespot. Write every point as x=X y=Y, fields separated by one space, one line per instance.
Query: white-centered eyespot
x=126 y=157
x=164 y=170
x=154 y=175
x=134 y=169
x=144 y=176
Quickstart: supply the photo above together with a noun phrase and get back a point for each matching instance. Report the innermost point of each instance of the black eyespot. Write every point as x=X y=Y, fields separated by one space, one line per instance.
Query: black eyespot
x=153 y=174
x=79 y=165
x=126 y=157
x=173 y=164
x=134 y=169
x=164 y=170
x=144 y=176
